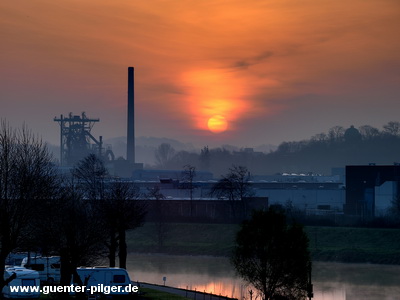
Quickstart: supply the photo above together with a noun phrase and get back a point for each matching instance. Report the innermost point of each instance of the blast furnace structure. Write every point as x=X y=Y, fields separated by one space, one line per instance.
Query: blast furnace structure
x=76 y=140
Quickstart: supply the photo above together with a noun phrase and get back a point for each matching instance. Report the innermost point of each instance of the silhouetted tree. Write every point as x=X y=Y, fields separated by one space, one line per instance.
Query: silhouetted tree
x=188 y=175
x=320 y=138
x=115 y=202
x=336 y=134
x=394 y=209
x=121 y=210
x=234 y=186
x=273 y=256
x=27 y=178
x=79 y=229
x=70 y=226
x=183 y=158
x=205 y=158
x=161 y=227
x=368 y=132
x=318 y=154
x=164 y=153
x=220 y=160
x=324 y=151
x=91 y=174
x=392 y=128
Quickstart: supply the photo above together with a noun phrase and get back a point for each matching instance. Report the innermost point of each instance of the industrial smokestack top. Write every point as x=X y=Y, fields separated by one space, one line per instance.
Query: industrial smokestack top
x=130 y=149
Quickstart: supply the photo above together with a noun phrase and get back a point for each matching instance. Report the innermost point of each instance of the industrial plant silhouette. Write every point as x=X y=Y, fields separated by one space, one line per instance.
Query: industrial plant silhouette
x=77 y=141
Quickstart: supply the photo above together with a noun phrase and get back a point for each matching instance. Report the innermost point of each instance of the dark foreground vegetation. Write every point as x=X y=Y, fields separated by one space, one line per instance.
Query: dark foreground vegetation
x=273 y=256
x=341 y=244
x=86 y=215
x=80 y=217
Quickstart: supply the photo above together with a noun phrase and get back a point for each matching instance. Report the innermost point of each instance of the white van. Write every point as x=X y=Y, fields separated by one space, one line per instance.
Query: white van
x=105 y=280
x=24 y=278
x=15 y=258
x=48 y=267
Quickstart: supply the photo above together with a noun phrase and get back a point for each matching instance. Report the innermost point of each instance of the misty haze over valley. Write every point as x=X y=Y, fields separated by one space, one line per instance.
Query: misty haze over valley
x=319 y=154
x=200 y=144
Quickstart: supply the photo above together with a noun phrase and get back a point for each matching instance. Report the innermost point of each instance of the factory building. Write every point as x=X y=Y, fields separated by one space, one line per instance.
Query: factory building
x=371 y=189
x=77 y=141
x=368 y=190
x=312 y=194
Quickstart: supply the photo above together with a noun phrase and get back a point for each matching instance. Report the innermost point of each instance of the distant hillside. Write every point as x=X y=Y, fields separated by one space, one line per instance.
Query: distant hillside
x=145 y=147
x=338 y=148
x=319 y=154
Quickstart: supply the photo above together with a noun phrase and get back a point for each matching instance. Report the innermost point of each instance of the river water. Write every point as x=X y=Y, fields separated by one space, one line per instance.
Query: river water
x=332 y=281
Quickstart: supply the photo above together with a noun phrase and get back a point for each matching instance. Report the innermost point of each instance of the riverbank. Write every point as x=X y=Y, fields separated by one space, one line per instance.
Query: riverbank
x=153 y=294
x=341 y=244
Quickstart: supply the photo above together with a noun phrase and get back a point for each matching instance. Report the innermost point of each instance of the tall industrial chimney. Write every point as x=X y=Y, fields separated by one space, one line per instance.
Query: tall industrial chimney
x=130 y=149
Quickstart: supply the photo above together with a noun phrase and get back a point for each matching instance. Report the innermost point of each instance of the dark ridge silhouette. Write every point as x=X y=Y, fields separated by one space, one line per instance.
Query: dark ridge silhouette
x=319 y=154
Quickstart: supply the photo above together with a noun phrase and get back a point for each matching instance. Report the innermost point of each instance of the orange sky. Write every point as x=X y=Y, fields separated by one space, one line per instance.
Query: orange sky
x=275 y=70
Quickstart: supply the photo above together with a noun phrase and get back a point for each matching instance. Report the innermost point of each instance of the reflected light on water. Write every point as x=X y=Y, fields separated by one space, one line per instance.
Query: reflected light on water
x=337 y=293
x=331 y=281
x=241 y=291
x=218 y=288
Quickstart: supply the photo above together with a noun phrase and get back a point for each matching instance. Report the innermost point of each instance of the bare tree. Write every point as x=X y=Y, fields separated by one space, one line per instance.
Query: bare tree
x=234 y=186
x=394 y=209
x=319 y=138
x=114 y=201
x=392 y=128
x=368 y=132
x=80 y=232
x=161 y=228
x=164 y=153
x=91 y=175
x=27 y=178
x=122 y=211
x=336 y=134
x=189 y=173
x=205 y=158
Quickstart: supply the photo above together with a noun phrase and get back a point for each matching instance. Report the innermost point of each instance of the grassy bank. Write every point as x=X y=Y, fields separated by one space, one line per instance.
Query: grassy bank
x=150 y=294
x=146 y=294
x=183 y=238
x=346 y=244
x=342 y=244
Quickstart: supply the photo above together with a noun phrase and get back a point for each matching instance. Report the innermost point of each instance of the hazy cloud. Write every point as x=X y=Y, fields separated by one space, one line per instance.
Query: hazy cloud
x=268 y=65
x=245 y=63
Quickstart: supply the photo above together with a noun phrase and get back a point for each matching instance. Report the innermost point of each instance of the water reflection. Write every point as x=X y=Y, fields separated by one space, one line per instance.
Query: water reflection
x=332 y=281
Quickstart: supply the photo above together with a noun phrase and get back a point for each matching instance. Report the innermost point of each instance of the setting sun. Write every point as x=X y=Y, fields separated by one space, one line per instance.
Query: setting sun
x=217 y=124
x=212 y=95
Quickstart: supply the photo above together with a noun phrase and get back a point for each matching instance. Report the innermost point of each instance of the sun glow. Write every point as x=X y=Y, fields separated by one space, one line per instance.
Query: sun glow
x=217 y=124
x=214 y=94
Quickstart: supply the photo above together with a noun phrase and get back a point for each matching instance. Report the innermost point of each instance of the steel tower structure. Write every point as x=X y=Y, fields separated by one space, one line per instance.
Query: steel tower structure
x=76 y=139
